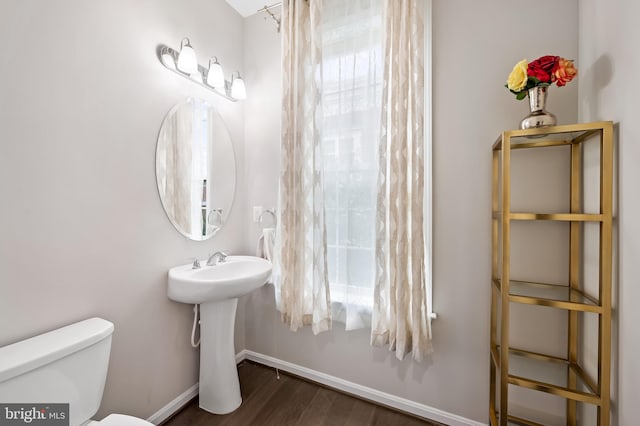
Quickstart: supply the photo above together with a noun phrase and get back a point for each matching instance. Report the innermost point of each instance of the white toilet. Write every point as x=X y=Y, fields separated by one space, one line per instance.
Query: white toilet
x=67 y=365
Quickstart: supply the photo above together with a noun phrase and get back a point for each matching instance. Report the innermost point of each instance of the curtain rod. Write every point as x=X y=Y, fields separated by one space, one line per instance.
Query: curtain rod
x=265 y=8
x=271 y=14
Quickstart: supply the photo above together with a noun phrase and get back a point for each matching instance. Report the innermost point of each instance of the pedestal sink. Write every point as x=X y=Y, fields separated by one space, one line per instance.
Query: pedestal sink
x=216 y=289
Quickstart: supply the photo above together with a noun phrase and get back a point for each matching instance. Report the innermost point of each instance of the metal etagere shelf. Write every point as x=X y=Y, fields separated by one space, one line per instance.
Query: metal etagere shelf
x=561 y=376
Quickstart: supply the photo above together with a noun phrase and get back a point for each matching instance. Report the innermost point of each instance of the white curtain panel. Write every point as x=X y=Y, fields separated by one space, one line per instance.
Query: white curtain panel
x=300 y=271
x=400 y=315
x=351 y=104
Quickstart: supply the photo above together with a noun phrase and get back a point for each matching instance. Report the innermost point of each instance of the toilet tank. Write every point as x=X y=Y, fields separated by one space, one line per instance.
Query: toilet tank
x=67 y=365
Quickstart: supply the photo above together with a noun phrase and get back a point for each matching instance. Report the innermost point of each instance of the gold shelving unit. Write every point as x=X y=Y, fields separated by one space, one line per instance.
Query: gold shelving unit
x=561 y=376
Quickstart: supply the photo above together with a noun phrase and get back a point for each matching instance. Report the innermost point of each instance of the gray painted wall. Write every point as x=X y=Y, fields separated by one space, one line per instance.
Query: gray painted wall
x=475 y=46
x=610 y=64
x=83 y=232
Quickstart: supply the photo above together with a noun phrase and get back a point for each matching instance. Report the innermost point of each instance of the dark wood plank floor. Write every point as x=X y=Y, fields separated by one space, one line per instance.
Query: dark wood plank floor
x=291 y=401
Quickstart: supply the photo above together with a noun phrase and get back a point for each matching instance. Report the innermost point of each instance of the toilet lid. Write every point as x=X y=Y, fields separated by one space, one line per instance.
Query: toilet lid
x=122 y=420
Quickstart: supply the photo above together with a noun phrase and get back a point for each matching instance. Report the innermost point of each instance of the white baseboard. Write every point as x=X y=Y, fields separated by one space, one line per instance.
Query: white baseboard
x=364 y=392
x=168 y=410
x=174 y=406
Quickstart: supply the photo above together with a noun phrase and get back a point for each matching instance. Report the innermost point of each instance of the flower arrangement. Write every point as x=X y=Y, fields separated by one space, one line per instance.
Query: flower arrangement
x=544 y=71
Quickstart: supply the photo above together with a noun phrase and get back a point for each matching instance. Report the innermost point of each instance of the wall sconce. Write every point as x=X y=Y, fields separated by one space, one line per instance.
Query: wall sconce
x=185 y=63
x=215 y=75
x=238 y=91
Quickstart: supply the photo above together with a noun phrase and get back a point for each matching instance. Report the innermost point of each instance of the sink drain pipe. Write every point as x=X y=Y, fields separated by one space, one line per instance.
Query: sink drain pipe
x=195 y=323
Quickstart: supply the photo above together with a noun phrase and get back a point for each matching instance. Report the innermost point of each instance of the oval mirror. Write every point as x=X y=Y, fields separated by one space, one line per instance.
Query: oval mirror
x=195 y=169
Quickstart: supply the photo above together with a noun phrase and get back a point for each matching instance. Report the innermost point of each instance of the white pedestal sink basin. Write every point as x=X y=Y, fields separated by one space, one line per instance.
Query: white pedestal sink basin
x=216 y=289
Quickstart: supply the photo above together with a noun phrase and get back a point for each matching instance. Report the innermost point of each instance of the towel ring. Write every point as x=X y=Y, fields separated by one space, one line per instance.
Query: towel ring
x=211 y=217
x=274 y=218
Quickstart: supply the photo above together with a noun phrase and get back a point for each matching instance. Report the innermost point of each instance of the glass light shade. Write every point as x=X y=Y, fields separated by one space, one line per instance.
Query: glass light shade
x=215 y=76
x=187 y=61
x=238 y=91
x=167 y=60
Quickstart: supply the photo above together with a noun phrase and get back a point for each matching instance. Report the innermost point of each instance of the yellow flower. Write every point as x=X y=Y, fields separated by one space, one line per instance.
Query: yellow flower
x=518 y=78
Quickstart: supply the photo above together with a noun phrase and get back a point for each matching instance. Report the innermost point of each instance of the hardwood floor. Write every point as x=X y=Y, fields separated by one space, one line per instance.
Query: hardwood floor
x=291 y=401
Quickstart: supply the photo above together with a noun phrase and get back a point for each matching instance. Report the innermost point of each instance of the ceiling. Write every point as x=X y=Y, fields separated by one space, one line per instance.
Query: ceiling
x=249 y=7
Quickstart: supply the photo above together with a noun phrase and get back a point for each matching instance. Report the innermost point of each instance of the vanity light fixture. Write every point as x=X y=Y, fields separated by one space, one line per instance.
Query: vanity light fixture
x=238 y=90
x=185 y=63
x=197 y=77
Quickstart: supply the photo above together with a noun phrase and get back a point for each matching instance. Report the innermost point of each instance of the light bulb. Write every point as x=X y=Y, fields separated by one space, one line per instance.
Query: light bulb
x=238 y=90
x=215 y=76
x=187 y=61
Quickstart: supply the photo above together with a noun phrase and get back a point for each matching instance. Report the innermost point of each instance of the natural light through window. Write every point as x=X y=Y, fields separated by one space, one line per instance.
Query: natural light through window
x=351 y=104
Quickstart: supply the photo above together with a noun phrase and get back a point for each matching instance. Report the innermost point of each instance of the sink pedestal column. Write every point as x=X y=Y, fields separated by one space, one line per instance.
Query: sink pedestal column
x=219 y=385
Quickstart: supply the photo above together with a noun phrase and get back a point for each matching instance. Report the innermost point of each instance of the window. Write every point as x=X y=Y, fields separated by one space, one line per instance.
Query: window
x=351 y=105
x=342 y=193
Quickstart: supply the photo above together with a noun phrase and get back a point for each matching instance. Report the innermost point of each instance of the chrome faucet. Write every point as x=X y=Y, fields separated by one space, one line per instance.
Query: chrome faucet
x=217 y=257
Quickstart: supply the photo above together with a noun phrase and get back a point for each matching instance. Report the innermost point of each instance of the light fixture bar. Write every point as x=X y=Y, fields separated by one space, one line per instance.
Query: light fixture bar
x=171 y=58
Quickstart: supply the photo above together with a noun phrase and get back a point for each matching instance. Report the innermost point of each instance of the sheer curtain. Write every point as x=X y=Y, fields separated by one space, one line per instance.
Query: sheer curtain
x=300 y=270
x=178 y=159
x=352 y=71
x=352 y=152
x=400 y=314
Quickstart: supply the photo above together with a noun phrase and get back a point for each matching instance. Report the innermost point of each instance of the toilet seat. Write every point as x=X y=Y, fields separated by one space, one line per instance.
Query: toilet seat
x=120 y=420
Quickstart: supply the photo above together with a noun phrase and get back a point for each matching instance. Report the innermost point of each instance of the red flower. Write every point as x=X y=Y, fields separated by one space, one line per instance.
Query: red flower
x=542 y=68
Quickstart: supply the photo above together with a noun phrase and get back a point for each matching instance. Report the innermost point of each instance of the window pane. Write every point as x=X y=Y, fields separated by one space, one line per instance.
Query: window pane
x=361 y=228
x=360 y=267
x=351 y=99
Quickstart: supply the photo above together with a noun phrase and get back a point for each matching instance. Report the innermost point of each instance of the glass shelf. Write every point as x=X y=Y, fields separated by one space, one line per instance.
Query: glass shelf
x=549 y=136
x=548 y=374
x=514 y=421
x=562 y=217
x=552 y=295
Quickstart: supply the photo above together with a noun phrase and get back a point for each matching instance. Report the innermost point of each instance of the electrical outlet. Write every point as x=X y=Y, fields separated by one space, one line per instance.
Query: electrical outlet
x=257 y=211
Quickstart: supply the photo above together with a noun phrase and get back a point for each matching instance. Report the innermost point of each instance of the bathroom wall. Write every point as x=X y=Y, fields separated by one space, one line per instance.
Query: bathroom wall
x=83 y=232
x=609 y=66
x=475 y=46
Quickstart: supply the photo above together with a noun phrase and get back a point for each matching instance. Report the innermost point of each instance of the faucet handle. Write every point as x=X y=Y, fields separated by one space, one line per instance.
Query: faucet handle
x=196 y=263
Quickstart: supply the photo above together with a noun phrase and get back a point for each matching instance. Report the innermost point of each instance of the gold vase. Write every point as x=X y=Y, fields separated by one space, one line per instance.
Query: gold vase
x=539 y=117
